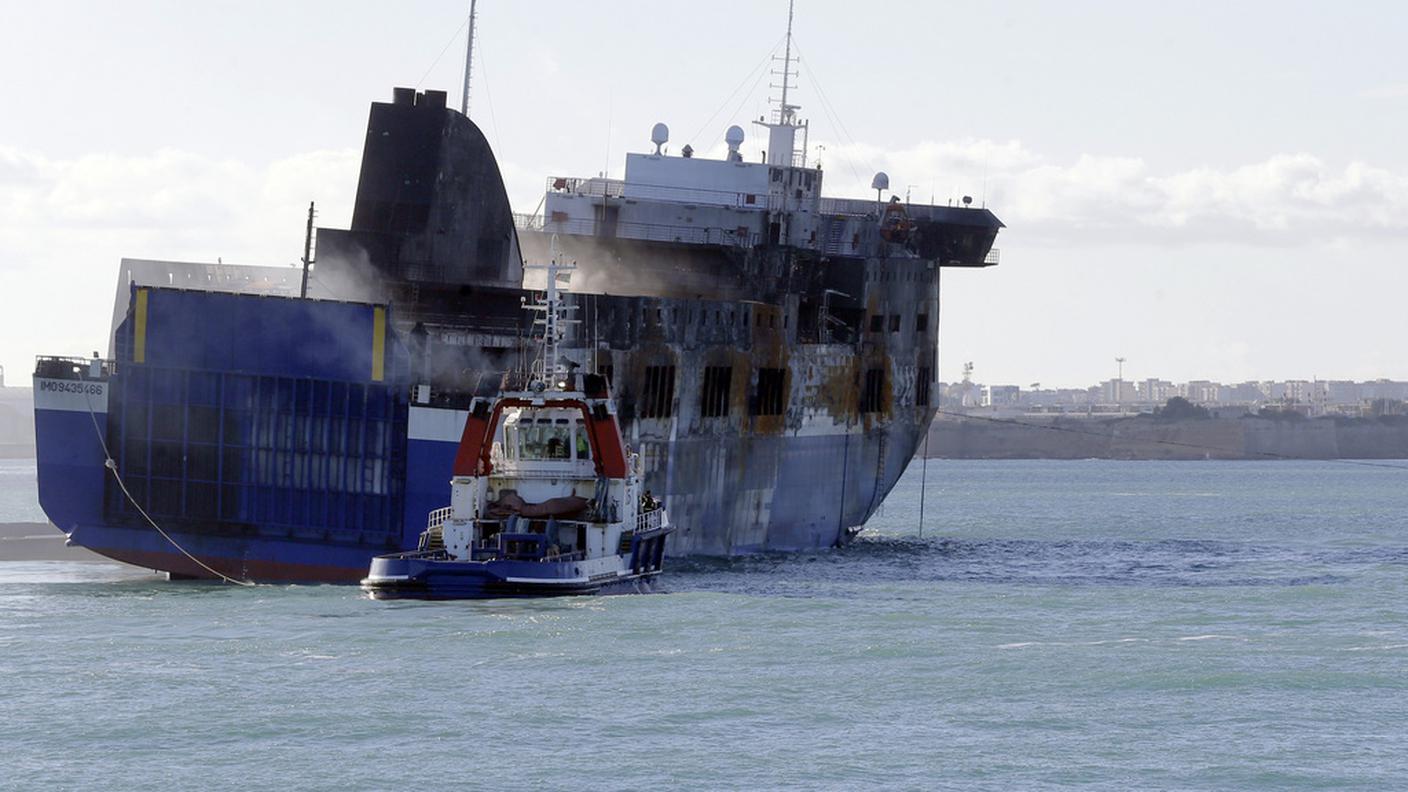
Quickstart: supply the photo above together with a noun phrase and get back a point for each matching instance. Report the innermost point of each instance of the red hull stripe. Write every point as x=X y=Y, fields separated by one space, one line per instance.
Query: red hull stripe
x=259 y=571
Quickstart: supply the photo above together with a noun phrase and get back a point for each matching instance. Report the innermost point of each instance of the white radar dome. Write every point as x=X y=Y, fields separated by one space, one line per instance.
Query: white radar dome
x=880 y=182
x=659 y=135
x=734 y=138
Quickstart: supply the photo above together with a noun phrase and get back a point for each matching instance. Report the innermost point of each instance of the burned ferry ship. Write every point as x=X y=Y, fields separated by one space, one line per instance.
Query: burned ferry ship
x=772 y=352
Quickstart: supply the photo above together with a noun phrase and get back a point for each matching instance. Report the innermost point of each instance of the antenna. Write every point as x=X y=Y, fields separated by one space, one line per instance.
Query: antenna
x=787 y=65
x=307 y=252
x=554 y=319
x=782 y=130
x=468 y=62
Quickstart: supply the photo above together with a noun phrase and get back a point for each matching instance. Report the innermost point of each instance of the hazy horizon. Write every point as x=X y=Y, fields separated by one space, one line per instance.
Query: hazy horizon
x=1217 y=193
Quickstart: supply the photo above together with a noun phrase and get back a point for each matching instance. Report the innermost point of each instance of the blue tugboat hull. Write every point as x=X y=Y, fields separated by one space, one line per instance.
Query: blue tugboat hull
x=434 y=576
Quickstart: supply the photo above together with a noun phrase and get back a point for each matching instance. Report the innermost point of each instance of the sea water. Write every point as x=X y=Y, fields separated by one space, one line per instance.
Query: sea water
x=1106 y=625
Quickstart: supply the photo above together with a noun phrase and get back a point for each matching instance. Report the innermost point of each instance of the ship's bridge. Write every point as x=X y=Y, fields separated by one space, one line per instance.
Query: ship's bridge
x=731 y=203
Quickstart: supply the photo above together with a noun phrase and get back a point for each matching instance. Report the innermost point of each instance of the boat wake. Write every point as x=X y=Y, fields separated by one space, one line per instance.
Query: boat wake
x=1173 y=562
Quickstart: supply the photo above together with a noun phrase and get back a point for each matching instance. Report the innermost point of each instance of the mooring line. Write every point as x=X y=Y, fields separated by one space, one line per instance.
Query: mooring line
x=111 y=464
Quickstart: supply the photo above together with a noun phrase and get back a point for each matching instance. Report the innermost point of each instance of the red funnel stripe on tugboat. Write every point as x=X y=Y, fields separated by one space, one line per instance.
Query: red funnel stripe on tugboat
x=609 y=452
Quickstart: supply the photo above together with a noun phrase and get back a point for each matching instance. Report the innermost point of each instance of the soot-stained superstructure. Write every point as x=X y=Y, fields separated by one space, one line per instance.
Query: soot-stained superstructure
x=773 y=350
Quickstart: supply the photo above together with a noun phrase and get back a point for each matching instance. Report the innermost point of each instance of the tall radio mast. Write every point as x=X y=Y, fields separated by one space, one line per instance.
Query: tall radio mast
x=468 y=62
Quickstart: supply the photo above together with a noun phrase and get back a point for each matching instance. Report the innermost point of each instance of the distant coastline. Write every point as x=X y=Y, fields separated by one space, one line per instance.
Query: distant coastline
x=977 y=436
x=29 y=541
x=16 y=421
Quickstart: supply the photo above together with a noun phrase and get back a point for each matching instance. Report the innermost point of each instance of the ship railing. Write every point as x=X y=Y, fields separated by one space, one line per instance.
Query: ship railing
x=654 y=232
x=437 y=518
x=992 y=258
x=455 y=327
x=72 y=368
x=617 y=188
x=668 y=193
x=649 y=520
x=855 y=207
x=433 y=538
x=591 y=186
x=527 y=222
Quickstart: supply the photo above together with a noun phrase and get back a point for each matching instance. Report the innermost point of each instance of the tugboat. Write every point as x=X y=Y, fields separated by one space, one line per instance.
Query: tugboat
x=545 y=499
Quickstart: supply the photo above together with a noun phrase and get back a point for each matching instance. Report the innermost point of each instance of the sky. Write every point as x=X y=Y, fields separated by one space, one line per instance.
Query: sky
x=1208 y=190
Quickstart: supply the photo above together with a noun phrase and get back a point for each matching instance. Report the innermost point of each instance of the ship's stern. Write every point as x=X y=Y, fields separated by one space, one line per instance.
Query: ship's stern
x=70 y=422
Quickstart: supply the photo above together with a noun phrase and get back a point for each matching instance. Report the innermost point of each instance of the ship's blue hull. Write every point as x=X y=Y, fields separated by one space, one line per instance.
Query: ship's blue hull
x=302 y=467
x=73 y=483
x=82 y=499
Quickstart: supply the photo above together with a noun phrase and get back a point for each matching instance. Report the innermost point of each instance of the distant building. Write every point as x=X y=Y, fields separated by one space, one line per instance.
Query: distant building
x=1299 y=391
x=963 y=394
x=1244 y=393
x=1309 y=397
x=1157 y=391
x=1002 y=396
x=1117 y=391
x=1342 y=392
x=1385 y=389
x=1202 y=392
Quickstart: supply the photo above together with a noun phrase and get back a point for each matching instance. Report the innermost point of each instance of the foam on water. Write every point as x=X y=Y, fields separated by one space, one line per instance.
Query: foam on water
x=1212 y=626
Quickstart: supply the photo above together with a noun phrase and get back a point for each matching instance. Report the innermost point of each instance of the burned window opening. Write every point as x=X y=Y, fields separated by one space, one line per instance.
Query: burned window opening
x=713 y=403
x=658 y=396
x=873 y=394
x=772 y=391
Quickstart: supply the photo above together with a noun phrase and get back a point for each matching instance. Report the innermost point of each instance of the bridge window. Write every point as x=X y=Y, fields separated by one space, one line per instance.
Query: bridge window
x=714 y=401
x=877 y=323
x=921 y=323
x=544 y=439
x=895 y=323
x=582 y=446
x=921 y=387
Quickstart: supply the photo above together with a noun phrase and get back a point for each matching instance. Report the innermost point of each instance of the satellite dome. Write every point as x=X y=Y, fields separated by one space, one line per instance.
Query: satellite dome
x=659 y=135
x=734 y=138
x=880 y=182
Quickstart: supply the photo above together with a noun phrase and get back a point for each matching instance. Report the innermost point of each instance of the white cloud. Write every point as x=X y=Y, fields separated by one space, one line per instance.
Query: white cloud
x=1283 y=200
x=64 y=224
x=1387 y=91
